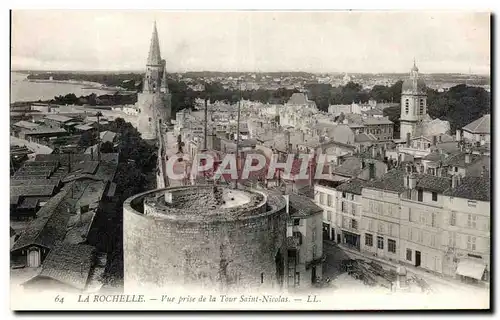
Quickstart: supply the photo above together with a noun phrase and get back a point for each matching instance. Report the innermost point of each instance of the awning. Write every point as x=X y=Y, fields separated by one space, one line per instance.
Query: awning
x=471 y=268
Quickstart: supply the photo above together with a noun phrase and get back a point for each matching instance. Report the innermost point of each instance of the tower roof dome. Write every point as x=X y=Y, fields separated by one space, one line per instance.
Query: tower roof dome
x=414 y=84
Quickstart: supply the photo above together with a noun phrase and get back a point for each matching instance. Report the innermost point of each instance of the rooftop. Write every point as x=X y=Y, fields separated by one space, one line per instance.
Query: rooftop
x=302 y=207
x=58 y=118
x=69 y=264
x=481 y=125
x=393 y=181
x=473 y=188
x=352 y=186
x=26 y=124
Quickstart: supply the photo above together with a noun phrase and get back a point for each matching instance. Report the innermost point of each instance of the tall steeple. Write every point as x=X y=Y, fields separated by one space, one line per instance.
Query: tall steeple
x=154 y=58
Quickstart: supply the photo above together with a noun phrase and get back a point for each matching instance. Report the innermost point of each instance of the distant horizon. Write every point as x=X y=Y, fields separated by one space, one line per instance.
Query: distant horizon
x=256 y=72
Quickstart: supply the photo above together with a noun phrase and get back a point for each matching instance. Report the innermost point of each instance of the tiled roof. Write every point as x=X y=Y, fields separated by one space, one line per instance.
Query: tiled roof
x=49 y=226
x=58 y=118
x=433 y=183
x=458 y=160
x=473 y=188
x=393 y=181
x=352 y=186
x=350 y=167
x=363 y=137
x=434 y=156
x=301 y=207
x=69 y=264
x=26 y=124
x=481 y=125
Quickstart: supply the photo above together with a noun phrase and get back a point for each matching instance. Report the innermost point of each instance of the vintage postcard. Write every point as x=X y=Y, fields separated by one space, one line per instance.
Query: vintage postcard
x=250 y=160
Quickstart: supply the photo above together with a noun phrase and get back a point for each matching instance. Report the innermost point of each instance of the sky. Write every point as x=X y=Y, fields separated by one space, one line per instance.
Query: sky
x=255 y=41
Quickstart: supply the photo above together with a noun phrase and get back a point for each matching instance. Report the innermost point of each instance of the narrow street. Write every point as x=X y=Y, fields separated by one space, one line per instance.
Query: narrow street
x=335 y=254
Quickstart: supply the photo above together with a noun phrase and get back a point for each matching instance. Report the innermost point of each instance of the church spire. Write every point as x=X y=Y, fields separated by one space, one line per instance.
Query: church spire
x=154 y=58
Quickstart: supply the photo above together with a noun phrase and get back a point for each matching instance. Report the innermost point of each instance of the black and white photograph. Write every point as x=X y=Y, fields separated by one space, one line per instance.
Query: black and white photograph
x=250 y=160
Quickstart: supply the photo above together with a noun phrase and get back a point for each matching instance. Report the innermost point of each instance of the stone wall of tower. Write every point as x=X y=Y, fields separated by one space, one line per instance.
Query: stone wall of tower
x=153 y=108
x=411 y=103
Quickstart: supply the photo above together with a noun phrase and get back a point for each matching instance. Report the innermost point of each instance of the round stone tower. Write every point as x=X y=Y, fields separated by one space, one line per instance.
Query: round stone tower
x=204 y=238
x=154 y=102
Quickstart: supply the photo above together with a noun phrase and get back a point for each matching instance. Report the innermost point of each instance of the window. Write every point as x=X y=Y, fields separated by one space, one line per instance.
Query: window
x=330 y=200
x=370 y=225
x=471 y=203
x=380 y=242
x=297 y=278
x=380 y=227
x=322 y=198
x=354 y=224
x=423 y=218
x=389 y=227
x=352 y=197
x=434 y=196
x=329 y=216
x=149 y=119
x=452 y=240
x=344 y=207
x=456 y=169
x=314 y=235
x=409 y=214
x=344 y=195
x=408 y=254
x=353 y=209
x=471 y=243
x=391 y=245
x=420 y=236
x=296 y=222
x=262 y=277
x=407 y=106
x=314 y=251
x=368 y=240
x=421 y=106
x=420 y=195
x=433 y=240
x=453 y=218
x=433 y=223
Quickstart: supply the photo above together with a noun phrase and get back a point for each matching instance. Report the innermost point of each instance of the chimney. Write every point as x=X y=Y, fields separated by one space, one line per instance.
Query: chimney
x=287 y=199
x=458 y=136
x=434 y=140
x=372 y=170
x=467 y=157
x=412 y=181
x=287 y=141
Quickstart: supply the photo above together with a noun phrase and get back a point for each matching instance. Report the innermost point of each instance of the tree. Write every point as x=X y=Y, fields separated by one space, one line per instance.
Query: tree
x=87 y=139
x=107 y=147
